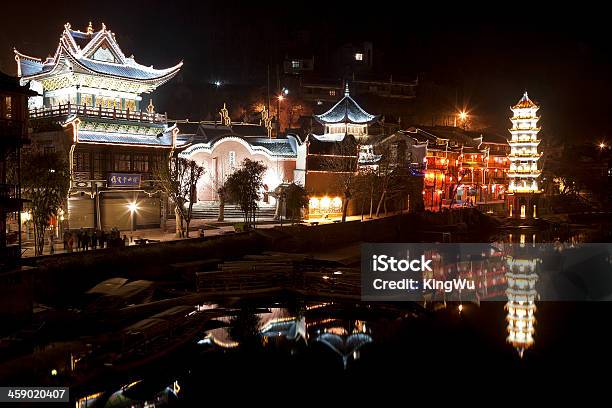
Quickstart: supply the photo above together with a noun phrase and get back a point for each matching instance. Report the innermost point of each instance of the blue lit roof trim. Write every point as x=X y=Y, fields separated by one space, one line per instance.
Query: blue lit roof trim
x=135 y=71
x=281 y=148
x=162 y=140
x=346 y=111
x=70 y=47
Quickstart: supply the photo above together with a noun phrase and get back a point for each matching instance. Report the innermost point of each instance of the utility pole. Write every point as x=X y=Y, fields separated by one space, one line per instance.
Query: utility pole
x=268 y=87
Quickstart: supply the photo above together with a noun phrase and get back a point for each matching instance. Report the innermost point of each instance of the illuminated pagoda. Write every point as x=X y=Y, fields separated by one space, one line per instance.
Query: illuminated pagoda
x=521 y=294
x=346 y=117
x=91 y=108
x=345 y=143
x=523 y=191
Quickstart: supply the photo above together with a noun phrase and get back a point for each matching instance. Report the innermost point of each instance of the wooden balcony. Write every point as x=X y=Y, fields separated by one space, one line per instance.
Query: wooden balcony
x=98 y=112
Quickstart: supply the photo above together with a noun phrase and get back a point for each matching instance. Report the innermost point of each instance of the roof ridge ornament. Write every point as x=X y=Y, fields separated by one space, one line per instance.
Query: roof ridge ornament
x=151 y=107
x=225 y=119
x=346 y=89
x=266 y=121
x=89 y=28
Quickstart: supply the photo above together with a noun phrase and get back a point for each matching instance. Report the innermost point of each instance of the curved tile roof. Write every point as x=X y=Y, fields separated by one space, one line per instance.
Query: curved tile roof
x=346 y=111
x=79 y=48
x=131 y=71
x=163 y=140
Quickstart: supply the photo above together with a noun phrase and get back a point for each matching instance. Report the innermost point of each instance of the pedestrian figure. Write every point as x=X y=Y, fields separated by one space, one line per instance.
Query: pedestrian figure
x=79 y=238
x=126 y=242
x=85 y=241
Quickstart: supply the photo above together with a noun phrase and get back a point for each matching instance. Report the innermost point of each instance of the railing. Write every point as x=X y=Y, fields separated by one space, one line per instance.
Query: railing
x=99 y=111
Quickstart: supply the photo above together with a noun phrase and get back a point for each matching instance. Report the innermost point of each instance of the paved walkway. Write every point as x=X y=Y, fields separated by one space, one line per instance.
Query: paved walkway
x=212 y=227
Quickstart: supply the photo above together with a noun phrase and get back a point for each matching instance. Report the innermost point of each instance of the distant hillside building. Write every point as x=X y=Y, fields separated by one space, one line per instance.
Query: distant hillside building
x=91 y=108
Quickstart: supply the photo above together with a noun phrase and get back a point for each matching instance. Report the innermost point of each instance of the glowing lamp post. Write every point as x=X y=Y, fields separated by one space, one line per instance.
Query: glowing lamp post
x=133 y=208
x=463 y=117
x=281 y=97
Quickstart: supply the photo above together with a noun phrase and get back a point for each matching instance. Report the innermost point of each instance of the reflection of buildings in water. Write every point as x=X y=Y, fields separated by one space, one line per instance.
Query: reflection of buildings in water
x=344 y=337
x=488 y=273
x=521 y=294
x=345 y=346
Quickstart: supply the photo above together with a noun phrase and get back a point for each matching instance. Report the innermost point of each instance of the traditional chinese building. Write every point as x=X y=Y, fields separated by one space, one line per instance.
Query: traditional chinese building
x=523 y=190
x=16 y=297
x=330 y=159
x=91 y=108
x=220 y=147
x=13 y=135
x=463 y=167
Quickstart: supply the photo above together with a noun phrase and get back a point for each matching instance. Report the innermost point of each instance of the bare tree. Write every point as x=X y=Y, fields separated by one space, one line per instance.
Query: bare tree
x=45 y=182
x=179 y=179
x=342 y=163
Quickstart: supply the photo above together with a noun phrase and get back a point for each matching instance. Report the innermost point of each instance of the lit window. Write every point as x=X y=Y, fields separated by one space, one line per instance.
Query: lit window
x=141 y=163
x=122 y=162
x=332 y=92
x=295 y=64
x=358 y=56
x=232 y=159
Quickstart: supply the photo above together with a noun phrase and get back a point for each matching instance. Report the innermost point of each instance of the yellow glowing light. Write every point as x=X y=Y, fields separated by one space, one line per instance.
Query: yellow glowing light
x=325 y=202
x=460 y=308
x=133 y=207
x=313 y=202
x=602 y=145
x=281 y=97
x=463 y=115
x=337 y=202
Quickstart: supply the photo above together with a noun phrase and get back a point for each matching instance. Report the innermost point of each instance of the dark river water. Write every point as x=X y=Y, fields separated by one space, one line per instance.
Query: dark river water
x=272 y=344
x=280 y=349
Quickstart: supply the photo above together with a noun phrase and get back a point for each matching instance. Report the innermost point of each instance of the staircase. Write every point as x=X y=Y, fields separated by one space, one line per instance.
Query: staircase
x=211 y=211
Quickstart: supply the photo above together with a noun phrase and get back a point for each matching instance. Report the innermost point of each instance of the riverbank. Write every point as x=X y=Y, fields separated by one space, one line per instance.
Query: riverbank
x=59 y=278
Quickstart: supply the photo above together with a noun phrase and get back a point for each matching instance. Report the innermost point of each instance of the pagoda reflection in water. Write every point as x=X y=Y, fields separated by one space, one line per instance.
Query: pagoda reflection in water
x=521 y=293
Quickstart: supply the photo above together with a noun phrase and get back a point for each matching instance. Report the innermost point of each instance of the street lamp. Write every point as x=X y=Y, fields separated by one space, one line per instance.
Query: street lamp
x=133 y=208
x=280 y=98
x=602 y=145
x=462 y=116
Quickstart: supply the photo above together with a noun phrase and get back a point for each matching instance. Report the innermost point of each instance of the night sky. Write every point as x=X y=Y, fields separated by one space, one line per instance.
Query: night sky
x=492 y=53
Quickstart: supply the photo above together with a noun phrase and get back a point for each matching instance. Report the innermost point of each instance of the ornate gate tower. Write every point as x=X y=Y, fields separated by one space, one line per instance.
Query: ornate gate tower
x=523 y=196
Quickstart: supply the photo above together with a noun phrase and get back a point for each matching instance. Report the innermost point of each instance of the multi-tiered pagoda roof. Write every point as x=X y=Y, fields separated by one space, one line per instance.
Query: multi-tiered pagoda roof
x=524 y=103
x=87 y=58
x=346 y=111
